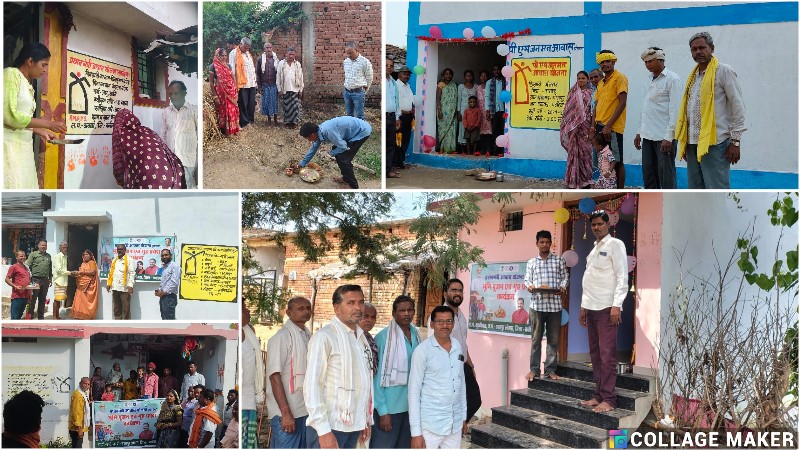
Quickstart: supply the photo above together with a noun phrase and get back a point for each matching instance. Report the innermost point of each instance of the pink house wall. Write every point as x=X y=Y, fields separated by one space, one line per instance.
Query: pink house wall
x=647 y=322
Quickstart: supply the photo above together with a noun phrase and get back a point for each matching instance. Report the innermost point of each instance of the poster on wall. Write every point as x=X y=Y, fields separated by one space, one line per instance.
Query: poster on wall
x=143 y=251
x=39 y=379
x=539 y=88
x=494 y=294
x=128 y=423
x=96 y=90
x=209 y=272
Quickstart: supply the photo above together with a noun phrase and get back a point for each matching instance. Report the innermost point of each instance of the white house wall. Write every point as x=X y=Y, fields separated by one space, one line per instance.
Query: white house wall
x=450 y=12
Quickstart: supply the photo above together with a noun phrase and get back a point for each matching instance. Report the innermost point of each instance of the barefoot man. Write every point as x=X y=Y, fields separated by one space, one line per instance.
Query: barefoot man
x=605 y=286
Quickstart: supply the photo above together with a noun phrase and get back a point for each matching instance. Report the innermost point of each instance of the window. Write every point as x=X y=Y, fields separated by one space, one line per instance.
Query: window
x=150 y=78
x=513 y=221
x=147 y=75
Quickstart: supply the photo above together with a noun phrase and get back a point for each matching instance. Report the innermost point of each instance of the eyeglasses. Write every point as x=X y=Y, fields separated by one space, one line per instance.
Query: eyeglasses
x=443 y=322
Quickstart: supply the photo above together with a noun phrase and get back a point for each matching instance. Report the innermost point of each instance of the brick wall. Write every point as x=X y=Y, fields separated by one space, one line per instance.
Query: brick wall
x=283 y=39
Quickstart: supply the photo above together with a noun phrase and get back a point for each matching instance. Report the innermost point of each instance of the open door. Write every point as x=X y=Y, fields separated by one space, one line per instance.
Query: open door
x=79 y=238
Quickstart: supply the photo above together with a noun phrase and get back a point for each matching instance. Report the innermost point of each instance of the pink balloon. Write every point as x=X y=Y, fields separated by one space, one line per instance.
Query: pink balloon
x=469 y=33
x=613 y=218
x=507 y=71
x=436 y=32
x=501 y=141
x=429 y=141
x=631 y=263
x=627 y=206
x=570 y=257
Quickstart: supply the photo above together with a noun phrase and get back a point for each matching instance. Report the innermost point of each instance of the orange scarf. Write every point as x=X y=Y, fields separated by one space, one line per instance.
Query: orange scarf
x=29 y=440
x=199 y=414
x=241 y=77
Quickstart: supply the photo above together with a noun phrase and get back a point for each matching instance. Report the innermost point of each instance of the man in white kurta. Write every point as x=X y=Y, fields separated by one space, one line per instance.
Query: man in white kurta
x=121 y=276
x=179 y=130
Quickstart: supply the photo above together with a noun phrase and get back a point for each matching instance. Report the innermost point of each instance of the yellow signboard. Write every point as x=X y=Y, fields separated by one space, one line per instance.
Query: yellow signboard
x=209 y=272
x=96 y=90
x=539 y=90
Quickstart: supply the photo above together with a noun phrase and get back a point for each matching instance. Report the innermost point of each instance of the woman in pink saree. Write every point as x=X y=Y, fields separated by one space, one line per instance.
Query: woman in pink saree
x=575 y=125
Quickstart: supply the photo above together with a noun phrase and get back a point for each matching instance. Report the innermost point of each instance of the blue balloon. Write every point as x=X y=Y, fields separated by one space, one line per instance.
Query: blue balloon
x=505 y=96
x=586 y=205
x=564 y=317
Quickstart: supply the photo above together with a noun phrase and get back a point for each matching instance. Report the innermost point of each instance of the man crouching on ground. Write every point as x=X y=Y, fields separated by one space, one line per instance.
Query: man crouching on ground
x=347 y=134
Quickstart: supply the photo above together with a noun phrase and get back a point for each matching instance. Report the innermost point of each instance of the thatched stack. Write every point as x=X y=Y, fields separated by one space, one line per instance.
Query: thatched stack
x=211 y=129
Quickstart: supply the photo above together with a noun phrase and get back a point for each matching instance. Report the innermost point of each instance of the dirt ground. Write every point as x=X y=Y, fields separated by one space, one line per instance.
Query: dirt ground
x=424 y=177
x=257 y=156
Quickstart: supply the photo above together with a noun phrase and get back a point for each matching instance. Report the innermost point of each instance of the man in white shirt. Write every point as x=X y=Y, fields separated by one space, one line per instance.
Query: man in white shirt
x=605 y=286
x=244 y=75
x=708 y=155
x=252 y=381
x=392 y=119
x=657 y=123
x=357 y=80
x=120 y=281
x=338 y=386
x=179 y=130
x=406 y=115
x=437 y=392
x=193 y=378
x=287 y=353
x=289 y=79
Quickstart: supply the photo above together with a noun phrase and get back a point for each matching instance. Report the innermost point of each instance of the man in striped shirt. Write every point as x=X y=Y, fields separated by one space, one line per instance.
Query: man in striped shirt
x=179 y=130
x=357 y=80
x=168 y=289
x=547 y=271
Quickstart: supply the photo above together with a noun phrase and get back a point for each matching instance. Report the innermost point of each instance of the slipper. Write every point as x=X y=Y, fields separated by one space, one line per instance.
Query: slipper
x=393 y=174
x=339 y=180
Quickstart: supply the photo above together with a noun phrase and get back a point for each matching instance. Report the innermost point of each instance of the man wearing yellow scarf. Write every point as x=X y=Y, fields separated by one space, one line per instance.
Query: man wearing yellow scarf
x=120 y=281
x=711 y=119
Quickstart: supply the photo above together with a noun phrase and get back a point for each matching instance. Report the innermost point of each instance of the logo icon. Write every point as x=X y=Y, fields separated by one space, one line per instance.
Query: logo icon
x=617 y=438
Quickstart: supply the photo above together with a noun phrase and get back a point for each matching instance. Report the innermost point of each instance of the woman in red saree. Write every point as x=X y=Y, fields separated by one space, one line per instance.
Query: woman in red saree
x=575 y=125
x=224 y=90
x=84 y=307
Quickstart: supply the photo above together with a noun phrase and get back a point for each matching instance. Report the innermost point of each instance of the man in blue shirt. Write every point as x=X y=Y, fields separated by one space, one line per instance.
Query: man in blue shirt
x=168 y=289
x=347 y=134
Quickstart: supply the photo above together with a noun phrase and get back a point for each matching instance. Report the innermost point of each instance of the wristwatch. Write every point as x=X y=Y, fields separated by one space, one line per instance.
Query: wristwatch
x=735 y=142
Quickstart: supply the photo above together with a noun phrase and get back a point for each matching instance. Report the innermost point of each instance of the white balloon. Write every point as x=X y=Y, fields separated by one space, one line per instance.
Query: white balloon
x=488 y=32
x=502 y=49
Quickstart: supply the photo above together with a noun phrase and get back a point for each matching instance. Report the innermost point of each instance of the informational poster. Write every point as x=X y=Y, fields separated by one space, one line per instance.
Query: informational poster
x=209 y=272
x=539 y=89
x=127 y=423
x=39 y=379
x=494 y=299
x=96 y=90
x=144 y=252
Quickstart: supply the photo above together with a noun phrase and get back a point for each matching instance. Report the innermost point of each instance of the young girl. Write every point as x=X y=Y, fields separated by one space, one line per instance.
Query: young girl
x=472 y=126
x=108 y=395
x=608 y=176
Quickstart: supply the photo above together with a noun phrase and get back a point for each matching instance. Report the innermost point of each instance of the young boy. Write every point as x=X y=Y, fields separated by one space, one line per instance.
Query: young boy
x=347 y=134
x=472 y=126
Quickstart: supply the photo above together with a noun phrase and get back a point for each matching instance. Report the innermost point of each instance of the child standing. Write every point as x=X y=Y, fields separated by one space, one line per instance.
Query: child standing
x=108 y=395
x=472 y=126
x=605 y=159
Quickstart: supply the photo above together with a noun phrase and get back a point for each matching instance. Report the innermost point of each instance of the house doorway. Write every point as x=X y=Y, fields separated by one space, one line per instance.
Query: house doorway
x=79 y=238
x=578 y=235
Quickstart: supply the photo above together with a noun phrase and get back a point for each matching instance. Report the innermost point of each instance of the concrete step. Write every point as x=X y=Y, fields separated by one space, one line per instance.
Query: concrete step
x=565 y=432
x=582 y=390
x=582 y=372
x=490 y=435
x=569 y=408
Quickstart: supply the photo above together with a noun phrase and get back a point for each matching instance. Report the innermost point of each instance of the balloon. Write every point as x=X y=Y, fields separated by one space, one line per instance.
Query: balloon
x=613 y=218
x=502 y=49
x=429 y=141
x=426 y=149
x=586 y=205
x=561 y=215
x=488 y=32
x=631 y=263
x=627 y=206
x=435 y=32
x=468 y=33
x=564 y=317
x=507 y=71
x=570 y=257
x=501 y=141
x=418 y=70
x=505 y=96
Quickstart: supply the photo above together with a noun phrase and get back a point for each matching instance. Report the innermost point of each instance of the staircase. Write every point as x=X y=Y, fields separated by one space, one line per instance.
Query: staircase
x=547 y=414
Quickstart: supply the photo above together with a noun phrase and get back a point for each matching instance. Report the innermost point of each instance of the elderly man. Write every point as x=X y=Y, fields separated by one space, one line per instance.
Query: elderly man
x=396 y=343
x=60 y=279
x=357 y=80
x=287 y=353
x=338 y=385
x=392 y=119
x=545 y=270
x=244 y=75
x=179 y=130
x=41 y=266
x=116 y=379
x=711 y=119
x=437 y=393
x=193 y=378
x=406 y=115
x=605 y=286
x=609 y=113
x=19 y=277
x=22 y=420
x=367 y=324
x=657 y=124
x=290 y=87
x=252 y=381
x=167 y=291
x=121 y=276
x=79 y=413
x=347 y=134
x=267 y=80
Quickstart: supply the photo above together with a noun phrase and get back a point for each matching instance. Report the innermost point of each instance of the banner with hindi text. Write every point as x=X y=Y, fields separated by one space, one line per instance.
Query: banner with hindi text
x=96 y=90
x=494 y=294
x=126 y=423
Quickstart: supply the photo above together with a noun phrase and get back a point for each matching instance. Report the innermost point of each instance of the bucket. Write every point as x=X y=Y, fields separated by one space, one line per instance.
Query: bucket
x=623 y=367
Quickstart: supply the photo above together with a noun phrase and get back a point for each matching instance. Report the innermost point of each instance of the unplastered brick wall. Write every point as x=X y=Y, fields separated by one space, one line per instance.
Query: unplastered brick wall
x=283 y=39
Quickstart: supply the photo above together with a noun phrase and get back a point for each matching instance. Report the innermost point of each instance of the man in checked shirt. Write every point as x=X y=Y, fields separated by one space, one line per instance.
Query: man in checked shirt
x=545 y=270
x=357 y=80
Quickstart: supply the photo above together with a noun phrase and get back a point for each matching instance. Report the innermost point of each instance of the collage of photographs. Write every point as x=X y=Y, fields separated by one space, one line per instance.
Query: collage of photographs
x=400 y=224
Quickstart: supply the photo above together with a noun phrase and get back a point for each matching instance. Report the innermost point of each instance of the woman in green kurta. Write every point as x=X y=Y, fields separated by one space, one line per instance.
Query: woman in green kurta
x=19 y=167
x=446 y=108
